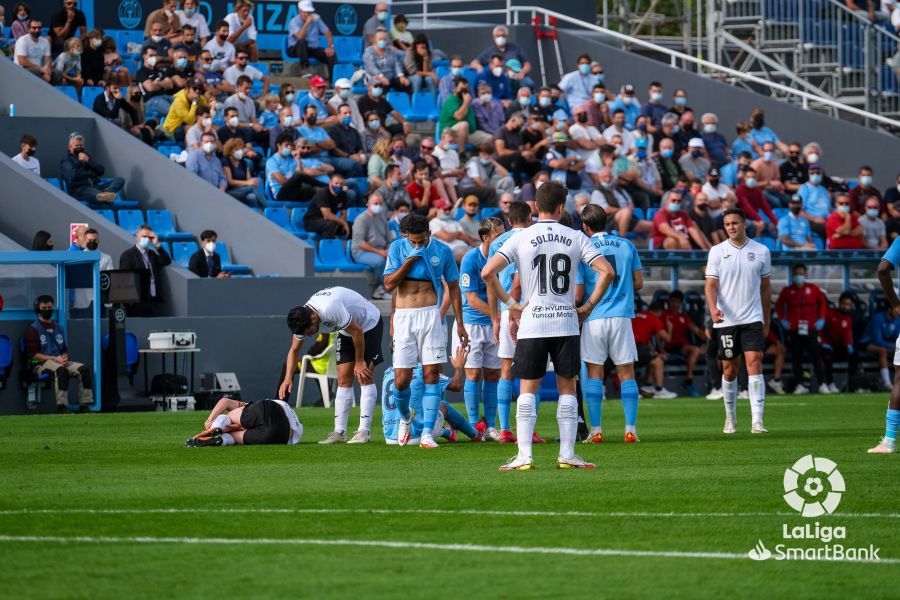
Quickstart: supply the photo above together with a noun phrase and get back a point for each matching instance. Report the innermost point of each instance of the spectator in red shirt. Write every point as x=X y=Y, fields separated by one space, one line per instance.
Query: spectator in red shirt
x=673 y=228
x=842 y=228
x=647 y=325
x=837 y=342
x=864 y=190
x=753 y=202
x=801 y=309
x=679 y=326
x=420 y=186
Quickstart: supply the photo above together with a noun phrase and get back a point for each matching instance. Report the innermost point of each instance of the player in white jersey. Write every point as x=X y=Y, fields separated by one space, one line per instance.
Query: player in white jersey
x=234 y=423
x=739 y=297
x=547 y=256
x=357 y=351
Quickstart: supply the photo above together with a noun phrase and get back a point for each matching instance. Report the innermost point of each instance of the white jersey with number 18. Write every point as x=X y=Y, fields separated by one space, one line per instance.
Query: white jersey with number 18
x=547 y=256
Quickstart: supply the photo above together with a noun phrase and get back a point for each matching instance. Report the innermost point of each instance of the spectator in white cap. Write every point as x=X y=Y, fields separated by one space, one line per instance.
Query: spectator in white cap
x=305 y=33
x=342 y=96
x=694 y=162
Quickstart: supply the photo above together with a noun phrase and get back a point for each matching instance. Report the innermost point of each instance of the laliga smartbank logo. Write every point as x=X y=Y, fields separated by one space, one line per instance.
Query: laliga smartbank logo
x=813 y=486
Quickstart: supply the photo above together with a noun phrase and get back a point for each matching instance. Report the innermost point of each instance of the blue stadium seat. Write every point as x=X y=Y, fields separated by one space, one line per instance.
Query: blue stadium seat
x=362 y=184
x=168 y=148
x=489 y=212
x=132 y=354
x=123 y=37
x=400 y=102
x=57 y=183
x=130 y=220
x=89 y=93
x=28 y=375
x=163 y=224
x=106 y=214
x=261 y=66
x=424 y=106
x=297 y=215
x=182 y=251
x=6 y=360
x=638 y=212
x=349 y=49
x=442 y=71
x=331 y=255
x=119 y=204
x=780 y=212
x=766 y=241
x=470 y=74
x=458 y=214
x=354 y=212
x=227 y=265
x=280 y=217
x=68 y=90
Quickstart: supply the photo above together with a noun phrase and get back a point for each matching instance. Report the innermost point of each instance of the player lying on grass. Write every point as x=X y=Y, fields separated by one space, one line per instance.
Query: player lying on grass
x=886 y=267
x=232 y=422
x=390 y=413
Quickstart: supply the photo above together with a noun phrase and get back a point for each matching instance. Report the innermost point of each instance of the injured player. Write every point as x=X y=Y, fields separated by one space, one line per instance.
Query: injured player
x=233 y=422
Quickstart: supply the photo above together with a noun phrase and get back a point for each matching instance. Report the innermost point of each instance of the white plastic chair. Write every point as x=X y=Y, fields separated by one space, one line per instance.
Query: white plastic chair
x=306 y=371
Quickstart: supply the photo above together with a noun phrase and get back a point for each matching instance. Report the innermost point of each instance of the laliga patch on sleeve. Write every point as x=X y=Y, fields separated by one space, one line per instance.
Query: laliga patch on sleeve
x=464 y=280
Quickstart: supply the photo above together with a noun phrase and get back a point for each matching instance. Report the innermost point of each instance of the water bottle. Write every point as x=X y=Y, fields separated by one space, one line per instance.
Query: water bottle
x=12 y=110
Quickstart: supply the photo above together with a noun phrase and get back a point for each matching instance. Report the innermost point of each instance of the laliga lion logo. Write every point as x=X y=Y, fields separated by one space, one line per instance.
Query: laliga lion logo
x=808 y=471
x=759 y=552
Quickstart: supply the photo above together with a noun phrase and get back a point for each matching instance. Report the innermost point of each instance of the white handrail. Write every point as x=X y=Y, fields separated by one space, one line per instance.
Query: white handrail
x=512 y=17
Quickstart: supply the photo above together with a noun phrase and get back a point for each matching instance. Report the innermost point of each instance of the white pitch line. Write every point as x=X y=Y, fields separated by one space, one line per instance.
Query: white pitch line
x=421 y=511
x=398 y=545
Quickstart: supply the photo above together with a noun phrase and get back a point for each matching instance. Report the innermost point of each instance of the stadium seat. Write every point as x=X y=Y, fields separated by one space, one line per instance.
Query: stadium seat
x=354 y=212
x=130 y=220
x=29 y=380
x=489 y=212
x=68 y=90
x=766 y=241
x=442 y=71
x=163 y=225
x=297 y=215
x=332 y=256
x=132 y=354
x=6 y=360
x=400 y=102
x=57 y=183
x=470 y=74
x=182 y=251
x=348 y=49
x=342 y=71
x=89 y=93
x=362 y=184
x=424 y=107
x=280 y=217
x=107 y=214
x=227 y=265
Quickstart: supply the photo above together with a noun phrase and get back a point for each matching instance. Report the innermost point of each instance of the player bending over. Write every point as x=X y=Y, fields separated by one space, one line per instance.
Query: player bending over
x=607 y=331
x=390 y=414
x=483 y=364
x=357 y=352
x=546 y=256
x=886 y=267
x=417 y=268
x=739 y=296
x=233 y=422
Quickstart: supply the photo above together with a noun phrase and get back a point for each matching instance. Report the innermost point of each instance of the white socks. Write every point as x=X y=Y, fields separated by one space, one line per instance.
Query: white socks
x=227 y=439
x=367 y=397
x=343 y=402
x=567 y=418
x=886 y=377
x=525 y=417
x=757 y=389
x=222 y=421
x=729 y=393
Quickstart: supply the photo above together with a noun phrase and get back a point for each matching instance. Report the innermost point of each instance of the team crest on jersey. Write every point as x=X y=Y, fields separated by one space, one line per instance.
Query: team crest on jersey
x=751 y=257
x=435 y=260
x=464 y=280
x=729 y=353
x=328 y=324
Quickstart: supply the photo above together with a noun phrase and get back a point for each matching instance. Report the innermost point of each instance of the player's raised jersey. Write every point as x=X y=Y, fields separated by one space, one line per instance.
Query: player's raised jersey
x=470 y=280
x=337 y=306
x=618 y=301
x=435 y=263
x=546 y=256
x=508 y=274
x=739 y=271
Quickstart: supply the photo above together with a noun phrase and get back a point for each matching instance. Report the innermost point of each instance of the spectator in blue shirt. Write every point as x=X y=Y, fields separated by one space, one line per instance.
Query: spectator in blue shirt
x=578 y=84
x=816 y=200
x=742 y=142
x=733 y=172
x=715 y=143
x=206 y=164
x=655 y=109
x=285 y=179
x=627 y=103
x=384 y=65
x=507 y=51
x=493 y=75
x=321 y=146
x=305 y=33
x=880 y=337
x=760 y=134
x=325 y=113
x=793 y=228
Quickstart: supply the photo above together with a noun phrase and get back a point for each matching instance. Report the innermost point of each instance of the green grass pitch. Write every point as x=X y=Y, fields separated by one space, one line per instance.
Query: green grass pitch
x=113 y=506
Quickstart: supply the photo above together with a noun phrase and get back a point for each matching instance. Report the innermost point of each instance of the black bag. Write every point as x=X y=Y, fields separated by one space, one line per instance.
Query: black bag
x=169 y=385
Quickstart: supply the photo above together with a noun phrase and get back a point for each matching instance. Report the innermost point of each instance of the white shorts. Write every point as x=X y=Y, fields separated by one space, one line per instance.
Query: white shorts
x=419 y=336
x=608 y=338
x=897 y=352
x=507 y=347
x=482 y=349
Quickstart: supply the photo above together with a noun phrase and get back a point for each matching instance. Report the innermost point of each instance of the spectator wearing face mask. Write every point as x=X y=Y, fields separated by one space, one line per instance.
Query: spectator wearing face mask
x=874 y=231
x=392 y=191
x=348 y=143
x=202 y=124
x=733 y=172
x=205 y=262
x=794 y=229
x=378 y=20
x=83 y=298
x=816 y=200
x=327 y=213
x=383 y=65
x=842 y=228
x=648 y=181
x=620 y=129
x=687 y=131
x=694 y=164
x=494 y=76
x=801 y=308
x=489 y=114
x=838 y=344
x=242 y=30
x=189 y=16
x=371 y=238
x=67 y=66
x=754 y=204
x=577 y=84
x=183 y=111
x=149 y=256
x=714 y=142
x=587 y=140
x=82 y=174
x=667 y=164
x=628 y=104
x=213 y=79
x=233 y=129
x=205 y=164
x=596 y=108
x=374 y=101
x=341 y=97
x=792 y=171
x=716 y=192
x=32 y=52
x=485 y=177
x=447 y=155
x=374 y=133
x=768 y=176
x=865 y=190
x=450 y=232
x=309 y=37
x=447 y=83
x=742 y=142
x=706 y=223
x=515 y=156
x=189 y=43
x=240 y=184
x=243 y=68
x=507 y=51
x=618 y=206
x=760 y=134
x=154 y=85
x=323 y=147
x=25 y=158
x=654 y=109
x=673 y=228
x=285 y=125
x=159 y=42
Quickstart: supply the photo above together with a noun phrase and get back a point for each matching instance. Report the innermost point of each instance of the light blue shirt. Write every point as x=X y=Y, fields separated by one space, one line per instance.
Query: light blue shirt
x=321 y=109
x=795 y=228
x=470 y=280
x=208 y=167
x=893 y=253
x=816 y=200
x=618 y=301
x=279 y=164
x=740 y=145
x=578 y=87
x=728 y=173
x=435 y=263
x=316 y=30
x=632 y=111
x=313 y=134
x=763 y=135
x=508 y=274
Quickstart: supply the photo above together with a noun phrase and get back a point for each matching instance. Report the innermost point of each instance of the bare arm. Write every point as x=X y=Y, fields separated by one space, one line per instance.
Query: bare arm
x=711 y=289
x=290 y=366
x=224 y=405
x=459 y=371
x=361 y=369
x=765 y=292
x=886 y=279
x=477 y=303
x=603 y=268
x=637 y=279
x=392 y=280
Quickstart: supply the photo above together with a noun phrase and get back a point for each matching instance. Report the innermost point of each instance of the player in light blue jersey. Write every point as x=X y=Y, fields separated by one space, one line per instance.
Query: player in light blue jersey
x=418 y=267
x=607 y=332
x=519 y=218
x=483 y=364
x=889 y=262
x=391 y=413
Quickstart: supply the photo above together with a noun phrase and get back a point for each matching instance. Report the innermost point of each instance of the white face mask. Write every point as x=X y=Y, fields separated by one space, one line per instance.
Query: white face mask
x=150 y=62
x=288 y=120
x=242 y=96
x=709 y=128
x=767 y=156
x=208 y=147
x=233 y=122
x=812 y=158
x=96 y=43
x=156 y=38
x=144 y=242
x=344 y=94
x=497 y=71
x=239 y=154
x=377 y=209
x=210 y=247
x=207 y=122
x=501 y=40
x=486 y=98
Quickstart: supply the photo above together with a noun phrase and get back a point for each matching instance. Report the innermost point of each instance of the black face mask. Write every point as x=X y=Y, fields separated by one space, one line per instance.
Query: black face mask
x=223 y=37
x=31 y=152
x=796 y=210
x=794 y=157
x=78 y=150
x=46 y=314
x=845 y=311
x=714 y=182
x=701 y=207
x=581 y=117
x=311 y=120
x=758 y=122
x=92 y=245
